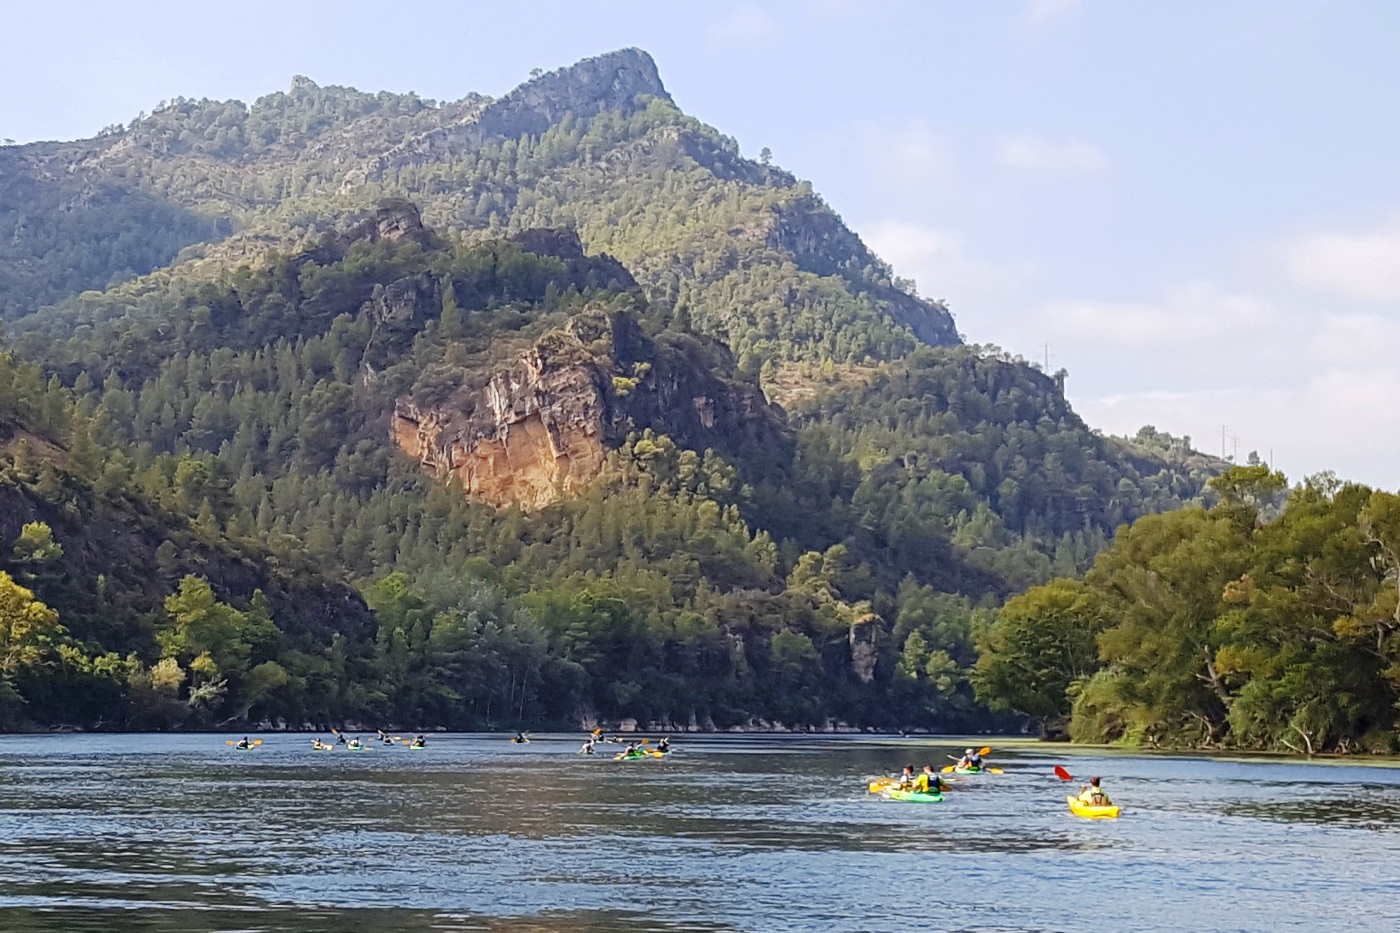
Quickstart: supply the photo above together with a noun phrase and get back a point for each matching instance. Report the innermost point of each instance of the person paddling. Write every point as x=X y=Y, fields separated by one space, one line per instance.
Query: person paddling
x=663 y=746
x=906 y=778
x=244 y=743
x=1093 y=795
x=520 y=738
x=931 y=782
x=588 y=744
x=970 y=761
x=419 y=741
x=340 y=739
x=354 y=744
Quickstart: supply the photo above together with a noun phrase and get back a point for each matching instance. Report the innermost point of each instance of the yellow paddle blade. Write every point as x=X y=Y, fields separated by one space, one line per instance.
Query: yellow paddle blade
x=985 y=750
x=229 y=742
x=996 y=770
x=257 y=741
x=947 y=769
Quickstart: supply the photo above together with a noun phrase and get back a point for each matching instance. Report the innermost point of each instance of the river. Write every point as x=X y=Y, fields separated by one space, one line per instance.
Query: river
x=164 y=833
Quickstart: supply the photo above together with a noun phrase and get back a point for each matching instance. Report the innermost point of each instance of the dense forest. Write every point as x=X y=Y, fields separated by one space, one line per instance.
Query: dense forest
x=1267 y=621
x=809 y=498
x=836 y=567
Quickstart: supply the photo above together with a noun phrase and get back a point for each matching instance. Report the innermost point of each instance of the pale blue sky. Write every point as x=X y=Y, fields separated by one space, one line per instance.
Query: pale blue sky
x=1196 y=204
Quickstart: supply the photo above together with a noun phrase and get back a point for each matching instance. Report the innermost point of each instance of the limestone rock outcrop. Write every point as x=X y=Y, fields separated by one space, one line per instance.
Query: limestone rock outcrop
x=539 y=427
x=583 y=90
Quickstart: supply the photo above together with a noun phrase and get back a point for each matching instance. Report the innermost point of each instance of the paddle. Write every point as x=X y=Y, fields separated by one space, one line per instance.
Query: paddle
x=1062 y=774
x=252 y=743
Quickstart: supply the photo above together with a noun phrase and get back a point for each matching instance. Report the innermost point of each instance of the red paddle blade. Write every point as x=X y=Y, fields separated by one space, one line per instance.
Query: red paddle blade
x=1062 y=774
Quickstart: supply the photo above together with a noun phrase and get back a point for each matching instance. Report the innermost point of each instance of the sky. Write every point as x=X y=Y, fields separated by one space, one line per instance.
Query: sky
x=1193 y=207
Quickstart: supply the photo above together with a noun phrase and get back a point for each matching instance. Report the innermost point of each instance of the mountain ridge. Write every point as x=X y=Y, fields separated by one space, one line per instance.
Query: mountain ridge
x=286 y=148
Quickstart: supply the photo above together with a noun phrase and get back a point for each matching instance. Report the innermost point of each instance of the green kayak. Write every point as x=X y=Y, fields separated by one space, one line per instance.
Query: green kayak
x=637 y=757
x=967 y=770
x=913 y=796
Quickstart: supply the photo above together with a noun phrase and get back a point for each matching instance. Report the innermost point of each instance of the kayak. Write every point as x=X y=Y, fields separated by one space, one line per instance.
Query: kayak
x=624 y=757
x=1088 y=811
x=416 y=748
x=880 y=785
x=913 y=796
x=957 y=770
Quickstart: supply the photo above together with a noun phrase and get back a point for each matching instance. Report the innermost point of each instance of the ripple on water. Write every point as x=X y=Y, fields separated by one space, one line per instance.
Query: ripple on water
x=746 y=835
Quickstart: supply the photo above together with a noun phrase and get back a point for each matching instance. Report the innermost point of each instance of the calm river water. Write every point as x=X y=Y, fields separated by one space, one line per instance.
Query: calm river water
x=166 y=833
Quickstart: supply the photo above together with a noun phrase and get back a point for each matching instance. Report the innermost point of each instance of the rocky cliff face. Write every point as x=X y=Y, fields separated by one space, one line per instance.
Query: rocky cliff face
x=540 y=427
x=583 y=90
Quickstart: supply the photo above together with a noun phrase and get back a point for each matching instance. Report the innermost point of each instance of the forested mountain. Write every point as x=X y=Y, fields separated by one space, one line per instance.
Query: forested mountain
x=743 y=249
x=509 y=368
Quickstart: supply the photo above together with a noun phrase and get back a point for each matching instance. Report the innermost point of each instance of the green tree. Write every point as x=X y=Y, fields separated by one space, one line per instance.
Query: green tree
x=1039 y=645
x=36 y=544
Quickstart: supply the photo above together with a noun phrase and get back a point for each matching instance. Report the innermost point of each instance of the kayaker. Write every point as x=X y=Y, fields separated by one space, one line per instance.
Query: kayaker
x=587 y=748
x=419 y=741
x=931 y=782
x=906 y=778
x=520 y=738
x=632 y=750
x=1093 y=794
x=340 y=738
x=353 y=744
x=663 y=746
x=970 y=760
x=244 y=743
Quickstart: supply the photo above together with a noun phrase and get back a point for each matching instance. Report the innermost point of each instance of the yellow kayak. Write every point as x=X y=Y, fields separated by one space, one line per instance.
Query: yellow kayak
x=1079 y=808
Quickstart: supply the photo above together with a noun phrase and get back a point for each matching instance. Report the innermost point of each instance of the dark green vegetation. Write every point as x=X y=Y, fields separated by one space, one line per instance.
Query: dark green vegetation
x=1268 y=621
x=202 y=456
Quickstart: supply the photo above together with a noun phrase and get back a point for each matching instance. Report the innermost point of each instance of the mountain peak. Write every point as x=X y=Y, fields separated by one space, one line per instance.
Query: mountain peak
x=618 y=76
x=612 y=81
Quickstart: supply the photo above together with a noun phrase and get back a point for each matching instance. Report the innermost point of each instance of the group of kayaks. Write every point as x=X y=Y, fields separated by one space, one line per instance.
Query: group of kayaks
x=901 y=790
x=349 y=745
x=635 y=750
